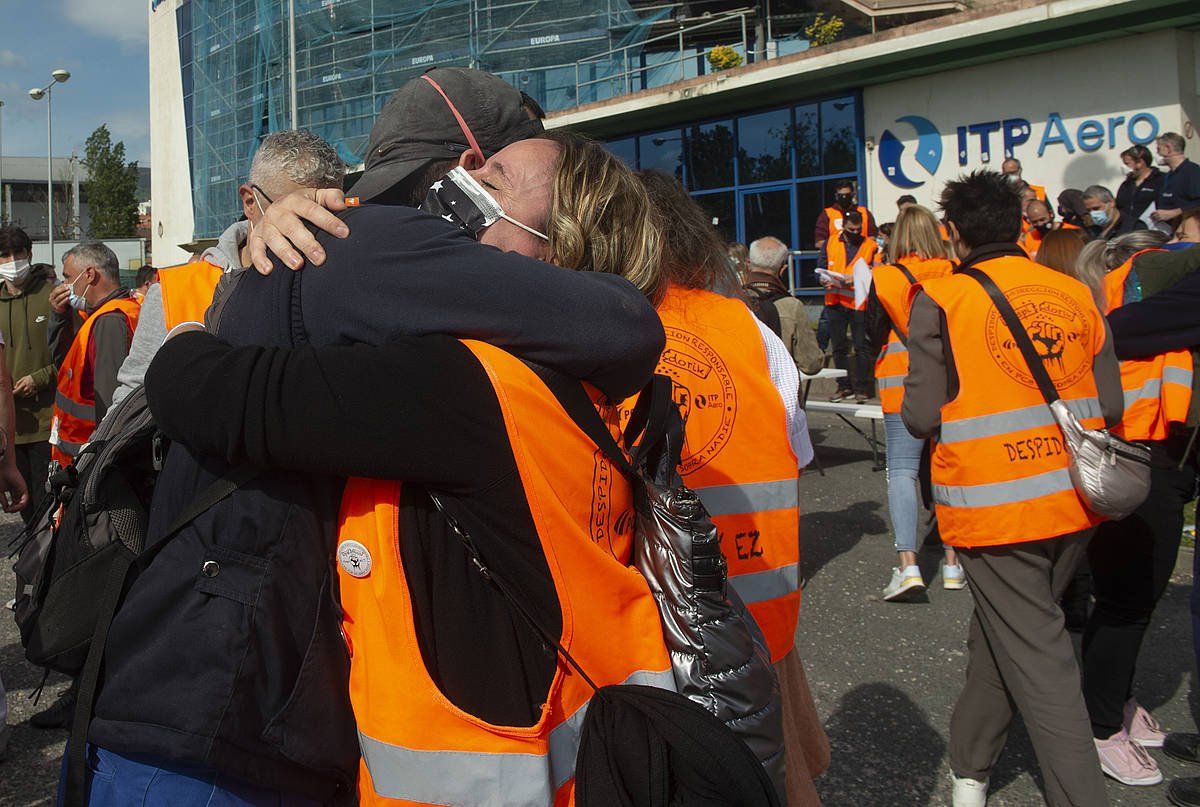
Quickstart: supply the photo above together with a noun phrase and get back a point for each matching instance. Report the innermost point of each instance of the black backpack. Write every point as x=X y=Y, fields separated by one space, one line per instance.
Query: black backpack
x=761 y=298
x=91 y=530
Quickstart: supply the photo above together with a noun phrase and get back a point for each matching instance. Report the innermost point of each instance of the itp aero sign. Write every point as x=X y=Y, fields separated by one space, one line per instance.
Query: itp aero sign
x=976 y=140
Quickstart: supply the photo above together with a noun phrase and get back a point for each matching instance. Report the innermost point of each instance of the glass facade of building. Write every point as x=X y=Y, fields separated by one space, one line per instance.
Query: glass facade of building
x=768 y=172
x=351 y=55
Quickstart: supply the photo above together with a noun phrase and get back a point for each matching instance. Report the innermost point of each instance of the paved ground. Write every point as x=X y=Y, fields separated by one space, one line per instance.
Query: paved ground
x=884 y=676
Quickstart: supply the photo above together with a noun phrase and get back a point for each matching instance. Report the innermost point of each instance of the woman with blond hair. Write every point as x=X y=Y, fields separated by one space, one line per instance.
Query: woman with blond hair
x=917 y=253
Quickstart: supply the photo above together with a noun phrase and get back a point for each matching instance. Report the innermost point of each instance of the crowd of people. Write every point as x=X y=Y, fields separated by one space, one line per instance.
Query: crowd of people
x=414 y=582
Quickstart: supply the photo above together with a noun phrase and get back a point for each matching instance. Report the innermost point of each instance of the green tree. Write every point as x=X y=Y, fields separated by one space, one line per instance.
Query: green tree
x=824 y=30
x=111 y=187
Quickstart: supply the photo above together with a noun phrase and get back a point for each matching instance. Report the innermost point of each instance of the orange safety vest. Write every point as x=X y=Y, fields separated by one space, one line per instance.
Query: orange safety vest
x=892 y=288
x=835 y=215
x=187 y=291
x=837 y=261
x=417 y=747
x=736 y=453
x=1000 y=468
x=1158 y=389
x=74 y=417
x=1039 y=190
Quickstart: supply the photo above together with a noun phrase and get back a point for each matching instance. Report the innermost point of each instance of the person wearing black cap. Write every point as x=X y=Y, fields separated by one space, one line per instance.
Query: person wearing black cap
x=224 y=667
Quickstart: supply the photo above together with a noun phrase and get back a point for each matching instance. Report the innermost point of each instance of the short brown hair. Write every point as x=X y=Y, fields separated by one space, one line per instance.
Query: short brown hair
x=1060 y=250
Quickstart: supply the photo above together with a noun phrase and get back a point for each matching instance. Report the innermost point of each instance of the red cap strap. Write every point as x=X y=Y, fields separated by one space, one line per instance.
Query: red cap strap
x=462 y=123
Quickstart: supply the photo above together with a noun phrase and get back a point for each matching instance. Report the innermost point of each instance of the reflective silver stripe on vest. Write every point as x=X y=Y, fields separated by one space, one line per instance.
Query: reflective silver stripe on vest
x=766 y=585
x=470 y=778
x=1015 y=420
x=755 y=497
x=1152 y=389
x=1177 y=375
x=70 y=449
x=888 y=382
x=74 y=408
x=895 y=347
x=990 y=495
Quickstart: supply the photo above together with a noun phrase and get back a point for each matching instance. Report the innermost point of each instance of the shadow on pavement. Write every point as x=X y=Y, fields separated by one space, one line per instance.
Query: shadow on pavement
x=833 y=456
x=885 y=753
x=825 y=535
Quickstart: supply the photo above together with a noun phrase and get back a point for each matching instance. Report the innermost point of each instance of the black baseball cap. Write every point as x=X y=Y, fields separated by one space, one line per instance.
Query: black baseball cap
x=437 y=116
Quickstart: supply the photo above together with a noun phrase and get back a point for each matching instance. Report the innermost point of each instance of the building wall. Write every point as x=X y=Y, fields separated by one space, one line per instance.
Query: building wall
x=1071 y=108
x=171 y=186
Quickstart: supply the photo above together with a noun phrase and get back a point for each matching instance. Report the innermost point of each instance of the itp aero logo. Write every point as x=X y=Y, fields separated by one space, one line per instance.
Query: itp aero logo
x=928 y=153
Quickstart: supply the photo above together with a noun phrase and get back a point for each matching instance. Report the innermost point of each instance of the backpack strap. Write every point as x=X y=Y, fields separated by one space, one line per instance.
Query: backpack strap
x=89 y=677
x=907 y=273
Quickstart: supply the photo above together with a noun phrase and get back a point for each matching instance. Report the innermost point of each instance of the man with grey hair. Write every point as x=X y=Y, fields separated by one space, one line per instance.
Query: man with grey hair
x=776 y=307
x=284 y=162
x=1107 y=220
x=88 y=352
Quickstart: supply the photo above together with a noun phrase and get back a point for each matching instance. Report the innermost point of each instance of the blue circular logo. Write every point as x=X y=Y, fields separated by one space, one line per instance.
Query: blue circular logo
x=928 y=155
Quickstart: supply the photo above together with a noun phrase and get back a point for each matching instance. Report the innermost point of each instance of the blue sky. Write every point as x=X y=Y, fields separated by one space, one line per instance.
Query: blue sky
x=104 y=45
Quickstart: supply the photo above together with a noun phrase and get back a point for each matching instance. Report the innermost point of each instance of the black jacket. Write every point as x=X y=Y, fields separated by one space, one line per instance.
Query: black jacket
x=245 y=672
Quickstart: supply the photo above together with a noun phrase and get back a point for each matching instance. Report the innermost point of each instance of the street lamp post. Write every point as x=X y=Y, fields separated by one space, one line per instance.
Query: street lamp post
x=3 y=220
x=38 y=94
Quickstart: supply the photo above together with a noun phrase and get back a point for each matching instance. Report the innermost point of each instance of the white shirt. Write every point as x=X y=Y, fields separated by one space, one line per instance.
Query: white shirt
x=786 y=379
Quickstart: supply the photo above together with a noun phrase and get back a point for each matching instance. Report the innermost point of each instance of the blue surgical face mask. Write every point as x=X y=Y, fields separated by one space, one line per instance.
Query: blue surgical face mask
x=76 y=301
x=1099 y=217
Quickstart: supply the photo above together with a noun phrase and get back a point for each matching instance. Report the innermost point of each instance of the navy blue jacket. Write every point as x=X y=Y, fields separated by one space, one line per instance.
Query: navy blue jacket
x=245 y=672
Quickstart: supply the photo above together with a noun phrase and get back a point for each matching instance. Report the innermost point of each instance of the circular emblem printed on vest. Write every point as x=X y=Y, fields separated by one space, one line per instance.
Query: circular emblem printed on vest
x=1057 y=325
x=354 y=558
x=703 y=388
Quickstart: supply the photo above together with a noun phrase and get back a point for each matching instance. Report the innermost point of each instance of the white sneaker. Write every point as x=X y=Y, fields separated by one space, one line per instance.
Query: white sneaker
x=969 y=792
x=953 y=578
x=906 y=583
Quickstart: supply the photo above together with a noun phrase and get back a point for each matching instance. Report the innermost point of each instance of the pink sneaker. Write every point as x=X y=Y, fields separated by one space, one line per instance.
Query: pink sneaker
x=1143 y=729
x=1126 y=761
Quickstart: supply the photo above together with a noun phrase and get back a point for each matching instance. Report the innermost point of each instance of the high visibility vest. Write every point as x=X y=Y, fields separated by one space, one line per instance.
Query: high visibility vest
x=736 y=453
x=1158 y=389
x=74 y=417
x=835 y=215
x=892 y=288
x=1030 y=241
x=187 y=291
x=837 y=261
x=1038 y=190
x=417 y=747
x=1000 y=468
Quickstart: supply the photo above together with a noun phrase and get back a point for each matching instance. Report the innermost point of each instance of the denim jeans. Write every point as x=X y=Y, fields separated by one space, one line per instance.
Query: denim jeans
x=903 y=464
x=118 y=781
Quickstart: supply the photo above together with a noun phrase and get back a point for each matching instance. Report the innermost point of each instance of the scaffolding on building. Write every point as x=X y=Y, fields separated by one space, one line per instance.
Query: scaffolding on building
x=351 y=55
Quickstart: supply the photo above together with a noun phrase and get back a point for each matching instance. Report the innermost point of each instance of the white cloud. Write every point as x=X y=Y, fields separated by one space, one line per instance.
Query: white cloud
x=124 y=21
x=11 y=60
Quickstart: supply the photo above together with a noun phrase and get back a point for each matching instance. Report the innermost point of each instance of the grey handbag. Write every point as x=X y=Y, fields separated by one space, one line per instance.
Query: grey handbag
x=718 y=654
x=1110 y=474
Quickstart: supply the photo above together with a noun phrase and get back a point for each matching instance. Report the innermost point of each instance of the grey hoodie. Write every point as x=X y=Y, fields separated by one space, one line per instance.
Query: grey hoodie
x=152 y=324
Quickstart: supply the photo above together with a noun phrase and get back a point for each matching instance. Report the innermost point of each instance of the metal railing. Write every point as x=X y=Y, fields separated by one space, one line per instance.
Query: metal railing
x=629 y=72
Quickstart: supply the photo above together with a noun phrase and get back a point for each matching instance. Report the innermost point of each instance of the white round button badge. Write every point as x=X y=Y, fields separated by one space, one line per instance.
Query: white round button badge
x=354 y=558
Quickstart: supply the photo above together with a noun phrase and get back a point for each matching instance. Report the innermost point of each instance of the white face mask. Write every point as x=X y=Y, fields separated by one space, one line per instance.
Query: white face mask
x=15 y=271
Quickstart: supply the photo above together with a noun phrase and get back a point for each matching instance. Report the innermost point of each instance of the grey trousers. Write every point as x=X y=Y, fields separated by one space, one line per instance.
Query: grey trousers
x=1020 y=657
